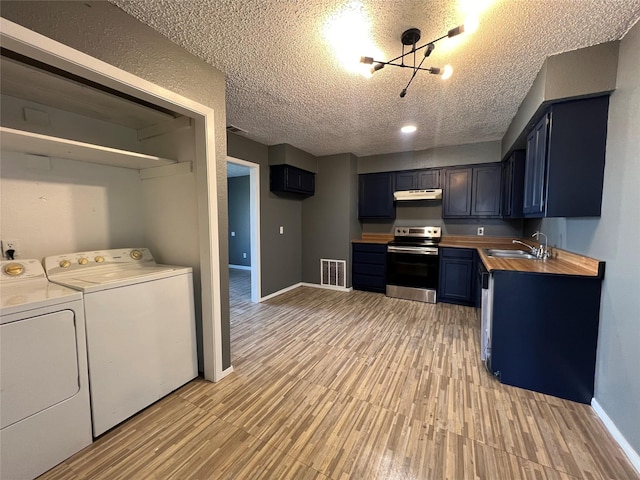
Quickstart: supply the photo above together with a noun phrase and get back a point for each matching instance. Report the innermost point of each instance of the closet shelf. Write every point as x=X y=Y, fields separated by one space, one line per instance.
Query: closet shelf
x=33 y=143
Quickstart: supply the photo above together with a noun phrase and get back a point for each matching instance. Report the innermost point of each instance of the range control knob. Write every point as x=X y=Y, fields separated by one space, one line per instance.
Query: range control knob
x=136 y=254
x=14 y=269
x=99 y=259
x=65 y=263
x=83 y=261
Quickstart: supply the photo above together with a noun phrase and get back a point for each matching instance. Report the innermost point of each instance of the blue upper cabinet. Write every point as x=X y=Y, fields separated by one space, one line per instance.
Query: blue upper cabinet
x=473 y=191
x=375 y=196
x=290 y=180
x=417 y=179
x=456 y=200
x=429 y=178
x=405 y=180
x=564 y=169
x=486 y=195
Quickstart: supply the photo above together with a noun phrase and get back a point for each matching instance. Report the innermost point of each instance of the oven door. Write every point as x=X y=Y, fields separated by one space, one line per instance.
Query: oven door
x=412 y=272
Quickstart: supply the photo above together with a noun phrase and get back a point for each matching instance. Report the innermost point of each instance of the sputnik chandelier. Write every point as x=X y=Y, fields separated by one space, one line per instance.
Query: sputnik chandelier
x=410 y=38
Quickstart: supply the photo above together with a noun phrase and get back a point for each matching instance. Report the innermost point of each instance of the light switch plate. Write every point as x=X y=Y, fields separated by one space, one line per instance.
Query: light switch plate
x=480 y=230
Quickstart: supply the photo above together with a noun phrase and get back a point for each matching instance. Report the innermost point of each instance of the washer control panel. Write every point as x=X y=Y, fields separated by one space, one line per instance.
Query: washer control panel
x=73 y=262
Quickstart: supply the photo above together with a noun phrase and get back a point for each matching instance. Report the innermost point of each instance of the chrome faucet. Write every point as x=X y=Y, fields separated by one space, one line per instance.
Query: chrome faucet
x=534 y=251
x=543 y=253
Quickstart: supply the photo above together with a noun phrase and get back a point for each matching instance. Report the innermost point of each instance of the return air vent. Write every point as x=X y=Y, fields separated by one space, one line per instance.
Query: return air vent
x=234 y=129
x=333 y=273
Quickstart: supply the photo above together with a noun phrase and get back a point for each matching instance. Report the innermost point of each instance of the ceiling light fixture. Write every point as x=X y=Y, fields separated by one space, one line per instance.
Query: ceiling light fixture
x=410 y=38
x=408 y=129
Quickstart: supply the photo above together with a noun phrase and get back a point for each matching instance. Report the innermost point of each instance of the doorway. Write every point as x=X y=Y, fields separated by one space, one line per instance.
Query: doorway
x=241 y=168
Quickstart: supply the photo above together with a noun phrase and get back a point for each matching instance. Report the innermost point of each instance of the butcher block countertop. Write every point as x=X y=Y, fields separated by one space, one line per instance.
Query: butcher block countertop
x=561 y=261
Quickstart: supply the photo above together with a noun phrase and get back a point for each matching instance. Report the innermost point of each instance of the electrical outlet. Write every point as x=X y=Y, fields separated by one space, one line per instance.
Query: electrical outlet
x=9 y=245
x=281 y=230
x=480 y=230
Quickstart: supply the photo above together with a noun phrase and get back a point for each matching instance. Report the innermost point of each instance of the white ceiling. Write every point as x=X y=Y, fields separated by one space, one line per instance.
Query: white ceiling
x=286 y=85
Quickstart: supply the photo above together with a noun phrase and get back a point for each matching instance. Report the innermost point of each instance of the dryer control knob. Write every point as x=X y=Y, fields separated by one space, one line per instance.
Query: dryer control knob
x=136 y=254
x=83 y=261
x=65 y=263
x=99 y=259
x=14 y=269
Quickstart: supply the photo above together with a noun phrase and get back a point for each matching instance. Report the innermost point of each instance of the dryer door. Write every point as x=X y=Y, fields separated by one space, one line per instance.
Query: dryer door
x=38 y=364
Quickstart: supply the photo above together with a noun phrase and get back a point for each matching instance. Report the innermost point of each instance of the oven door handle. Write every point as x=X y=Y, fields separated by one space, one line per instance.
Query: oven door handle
x=413 y=250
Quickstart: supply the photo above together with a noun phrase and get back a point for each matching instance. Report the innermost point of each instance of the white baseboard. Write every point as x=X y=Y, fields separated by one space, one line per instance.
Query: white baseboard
x=240 y=267
x=631 y=454
x=280 y=292
x=327 y=287
x=226 y=372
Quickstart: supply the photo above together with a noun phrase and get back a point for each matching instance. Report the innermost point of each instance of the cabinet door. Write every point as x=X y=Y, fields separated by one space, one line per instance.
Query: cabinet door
x=535 y=169
x=457 y=192
x=513 y=185
x=486 y=190
x=406 y=180
x=456 y=281
x=293 y=179
x=507 y=187
x=429 y=179
x=307 y=182
x=375 y=196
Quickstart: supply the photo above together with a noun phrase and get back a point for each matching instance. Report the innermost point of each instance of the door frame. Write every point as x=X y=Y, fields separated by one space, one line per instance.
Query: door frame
x=254 y=218
x=39 y=47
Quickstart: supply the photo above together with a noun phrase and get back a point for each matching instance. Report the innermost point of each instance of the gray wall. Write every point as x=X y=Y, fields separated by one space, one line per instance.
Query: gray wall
x=582 y=72
x=104 y=31
x=614 y=238
x=483 y=152
x=290 y=155
x=239 y=221
x=280 y=255
x=328 y=224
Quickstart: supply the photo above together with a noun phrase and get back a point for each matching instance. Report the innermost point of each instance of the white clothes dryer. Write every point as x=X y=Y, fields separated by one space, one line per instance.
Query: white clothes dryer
x=141 y=339
x=44 y=388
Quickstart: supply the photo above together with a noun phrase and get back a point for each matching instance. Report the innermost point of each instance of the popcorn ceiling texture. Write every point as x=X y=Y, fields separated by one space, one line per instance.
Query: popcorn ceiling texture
x=285 y=85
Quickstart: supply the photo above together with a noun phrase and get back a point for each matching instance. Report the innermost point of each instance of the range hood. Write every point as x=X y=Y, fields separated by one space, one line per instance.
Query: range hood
x=429 y=194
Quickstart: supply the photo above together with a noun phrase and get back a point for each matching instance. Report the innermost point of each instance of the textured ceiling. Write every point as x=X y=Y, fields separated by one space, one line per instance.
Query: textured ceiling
x=285 y=84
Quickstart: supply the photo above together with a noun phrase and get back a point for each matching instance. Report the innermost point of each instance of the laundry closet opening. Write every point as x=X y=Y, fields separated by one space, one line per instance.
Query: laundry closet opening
x=95 y=158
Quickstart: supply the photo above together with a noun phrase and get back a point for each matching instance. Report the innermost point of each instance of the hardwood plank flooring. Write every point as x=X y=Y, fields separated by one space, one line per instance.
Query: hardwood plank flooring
x=333 y=385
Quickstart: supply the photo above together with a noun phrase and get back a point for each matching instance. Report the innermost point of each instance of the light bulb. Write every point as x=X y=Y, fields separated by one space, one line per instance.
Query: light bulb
x=471 y=25
x=447 y=71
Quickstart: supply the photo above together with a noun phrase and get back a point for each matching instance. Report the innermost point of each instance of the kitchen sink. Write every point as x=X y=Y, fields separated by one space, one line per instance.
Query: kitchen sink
x=496 y=252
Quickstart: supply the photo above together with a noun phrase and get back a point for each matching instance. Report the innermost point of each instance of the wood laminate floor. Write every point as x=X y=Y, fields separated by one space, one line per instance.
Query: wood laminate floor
x=332 y=385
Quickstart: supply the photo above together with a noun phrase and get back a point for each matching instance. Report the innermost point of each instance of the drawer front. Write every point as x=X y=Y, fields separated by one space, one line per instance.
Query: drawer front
x=457 y=253
x=366 y=257
x=370 y=247
x=368 y=269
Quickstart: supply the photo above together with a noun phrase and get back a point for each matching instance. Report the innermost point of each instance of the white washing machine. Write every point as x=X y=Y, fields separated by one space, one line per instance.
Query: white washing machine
x=44 y=388
x=141 y=340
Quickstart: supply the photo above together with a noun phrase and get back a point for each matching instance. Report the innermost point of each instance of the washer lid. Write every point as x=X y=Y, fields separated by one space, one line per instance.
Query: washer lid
x=97 y=279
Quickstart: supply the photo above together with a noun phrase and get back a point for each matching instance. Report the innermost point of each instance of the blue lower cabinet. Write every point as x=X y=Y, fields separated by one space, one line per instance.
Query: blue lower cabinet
x=457 y=280
x=369 y=267
x=545 y=332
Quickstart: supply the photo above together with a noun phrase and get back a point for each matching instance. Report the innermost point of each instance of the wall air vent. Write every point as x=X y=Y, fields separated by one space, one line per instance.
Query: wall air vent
x=234 y=129
x=333 y=273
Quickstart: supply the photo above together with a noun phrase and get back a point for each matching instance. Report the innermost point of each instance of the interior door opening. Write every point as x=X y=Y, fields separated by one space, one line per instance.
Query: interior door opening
x=238 y=167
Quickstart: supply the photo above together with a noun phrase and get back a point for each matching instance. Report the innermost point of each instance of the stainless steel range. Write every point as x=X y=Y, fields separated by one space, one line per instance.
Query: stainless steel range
x=412 y=263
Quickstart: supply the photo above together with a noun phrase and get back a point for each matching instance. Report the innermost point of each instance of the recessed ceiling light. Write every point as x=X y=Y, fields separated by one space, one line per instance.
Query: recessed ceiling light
x=408 y=129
